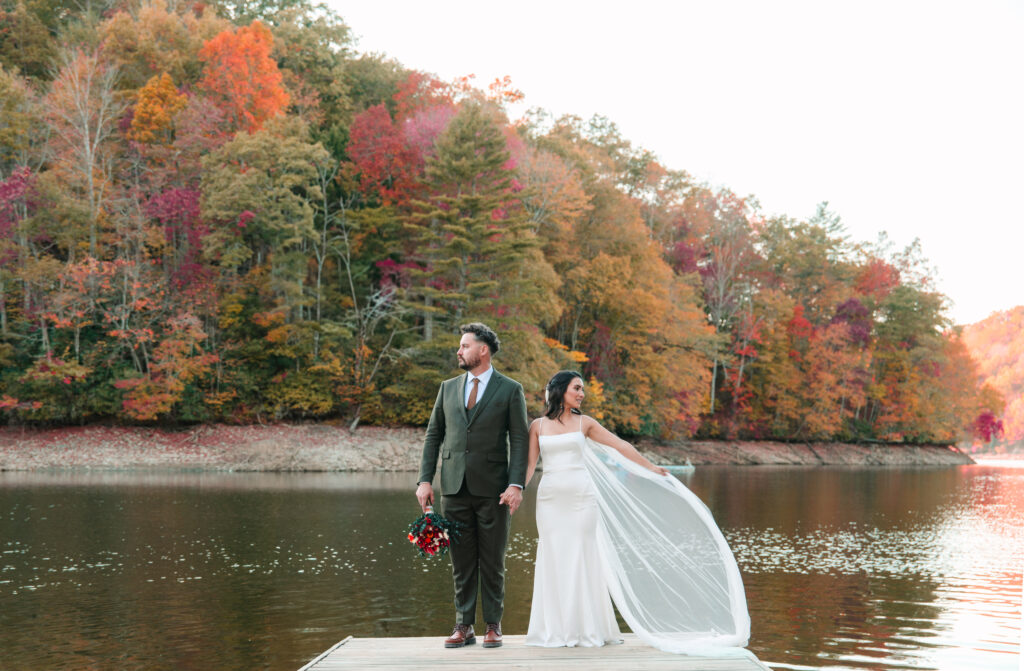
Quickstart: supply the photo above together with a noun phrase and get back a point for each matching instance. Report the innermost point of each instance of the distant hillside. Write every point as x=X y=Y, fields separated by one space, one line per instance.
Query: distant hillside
x=997 y=344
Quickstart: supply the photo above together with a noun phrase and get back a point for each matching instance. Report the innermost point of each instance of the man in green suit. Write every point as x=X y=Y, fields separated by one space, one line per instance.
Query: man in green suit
x=479 y=429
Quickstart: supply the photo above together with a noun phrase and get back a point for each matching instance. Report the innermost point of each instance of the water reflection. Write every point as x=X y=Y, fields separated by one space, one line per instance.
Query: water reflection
x=844 y=568
x=872 y=568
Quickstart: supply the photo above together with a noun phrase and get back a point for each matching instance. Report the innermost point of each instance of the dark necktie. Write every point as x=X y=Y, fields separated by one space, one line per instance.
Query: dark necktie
x=472 y=393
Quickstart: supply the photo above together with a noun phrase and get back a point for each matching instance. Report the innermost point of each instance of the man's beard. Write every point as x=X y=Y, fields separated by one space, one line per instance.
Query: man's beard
x=469 y=364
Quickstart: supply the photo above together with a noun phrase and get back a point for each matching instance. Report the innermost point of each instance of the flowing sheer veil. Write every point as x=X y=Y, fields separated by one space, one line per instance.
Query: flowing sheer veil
x=669 y=569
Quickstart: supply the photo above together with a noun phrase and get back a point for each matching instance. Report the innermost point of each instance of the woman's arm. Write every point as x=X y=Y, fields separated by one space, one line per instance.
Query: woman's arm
x=592 y=429
x=533 y=451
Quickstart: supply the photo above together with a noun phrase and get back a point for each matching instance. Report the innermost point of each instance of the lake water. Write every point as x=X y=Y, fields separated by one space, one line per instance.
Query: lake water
x=845 y=568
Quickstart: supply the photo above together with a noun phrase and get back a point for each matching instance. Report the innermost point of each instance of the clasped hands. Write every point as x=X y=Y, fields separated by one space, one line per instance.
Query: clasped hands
x=511 y=497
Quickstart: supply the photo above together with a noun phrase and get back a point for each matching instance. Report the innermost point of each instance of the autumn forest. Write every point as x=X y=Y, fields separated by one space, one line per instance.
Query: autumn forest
x=224 y=213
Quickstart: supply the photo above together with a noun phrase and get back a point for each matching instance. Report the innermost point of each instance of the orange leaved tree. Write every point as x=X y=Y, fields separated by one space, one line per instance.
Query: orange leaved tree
x=159 y=100
x=242 y=78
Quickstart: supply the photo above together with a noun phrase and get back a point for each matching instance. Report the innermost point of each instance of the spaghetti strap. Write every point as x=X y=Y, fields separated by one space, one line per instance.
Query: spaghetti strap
x=581 y=423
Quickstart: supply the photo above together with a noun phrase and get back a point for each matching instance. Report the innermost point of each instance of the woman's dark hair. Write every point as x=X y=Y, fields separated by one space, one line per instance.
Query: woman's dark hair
x=555 y=389
x=484 y=334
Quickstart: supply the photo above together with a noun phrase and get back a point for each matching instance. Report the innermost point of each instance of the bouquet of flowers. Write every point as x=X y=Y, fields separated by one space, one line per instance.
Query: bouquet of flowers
x=432 y=534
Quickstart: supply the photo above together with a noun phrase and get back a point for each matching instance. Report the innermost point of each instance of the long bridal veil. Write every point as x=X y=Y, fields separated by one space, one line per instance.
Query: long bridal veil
x=669 y=569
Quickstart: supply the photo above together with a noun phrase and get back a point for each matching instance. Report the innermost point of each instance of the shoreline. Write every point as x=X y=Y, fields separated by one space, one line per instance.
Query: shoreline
x=320 y=447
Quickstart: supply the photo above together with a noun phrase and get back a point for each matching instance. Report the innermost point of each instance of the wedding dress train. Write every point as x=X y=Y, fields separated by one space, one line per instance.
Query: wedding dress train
x=611 y=530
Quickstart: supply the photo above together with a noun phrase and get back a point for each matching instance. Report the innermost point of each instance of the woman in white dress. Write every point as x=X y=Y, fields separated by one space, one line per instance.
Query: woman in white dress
x=613 y=526
x=571 y=602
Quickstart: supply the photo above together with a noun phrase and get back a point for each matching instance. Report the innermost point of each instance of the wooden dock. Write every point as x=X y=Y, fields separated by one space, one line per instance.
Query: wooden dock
x=402 y=654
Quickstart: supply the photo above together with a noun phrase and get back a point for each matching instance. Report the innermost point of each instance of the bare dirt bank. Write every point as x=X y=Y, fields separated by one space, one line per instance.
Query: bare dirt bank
x=216 y=447
x=324 y=447
x=752 y=453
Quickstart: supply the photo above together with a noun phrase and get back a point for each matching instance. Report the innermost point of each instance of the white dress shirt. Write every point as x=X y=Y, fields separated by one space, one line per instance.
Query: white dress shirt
x=484 y=378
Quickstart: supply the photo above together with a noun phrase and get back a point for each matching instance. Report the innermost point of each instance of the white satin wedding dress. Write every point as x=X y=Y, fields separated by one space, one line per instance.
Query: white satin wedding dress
x=609 y=529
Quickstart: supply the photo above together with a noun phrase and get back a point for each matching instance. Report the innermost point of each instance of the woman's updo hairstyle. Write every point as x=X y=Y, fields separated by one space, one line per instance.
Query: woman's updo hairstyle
x=554 y=392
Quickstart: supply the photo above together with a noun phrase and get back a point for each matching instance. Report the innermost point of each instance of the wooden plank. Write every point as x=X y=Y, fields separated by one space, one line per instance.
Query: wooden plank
x=313 y=662
x=399 y=654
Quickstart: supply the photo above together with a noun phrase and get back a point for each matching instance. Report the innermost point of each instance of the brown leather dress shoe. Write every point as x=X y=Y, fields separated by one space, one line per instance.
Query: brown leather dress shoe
x=492 y=639
x=462 y=635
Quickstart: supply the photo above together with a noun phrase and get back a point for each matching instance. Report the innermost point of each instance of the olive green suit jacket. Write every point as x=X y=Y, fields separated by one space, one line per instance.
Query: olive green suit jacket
x=486 y=447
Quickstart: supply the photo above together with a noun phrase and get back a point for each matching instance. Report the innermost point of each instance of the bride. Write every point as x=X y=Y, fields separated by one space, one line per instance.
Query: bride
x=612 y=526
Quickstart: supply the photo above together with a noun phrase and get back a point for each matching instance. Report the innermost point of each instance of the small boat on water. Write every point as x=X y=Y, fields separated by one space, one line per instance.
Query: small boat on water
x=679 y=468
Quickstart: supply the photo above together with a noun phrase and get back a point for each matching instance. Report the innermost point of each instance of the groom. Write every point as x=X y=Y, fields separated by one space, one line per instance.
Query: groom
x=478 y=426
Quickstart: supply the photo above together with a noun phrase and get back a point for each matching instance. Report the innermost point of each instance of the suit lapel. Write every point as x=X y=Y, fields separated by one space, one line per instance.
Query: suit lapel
x=462 y=396
x=492 y=388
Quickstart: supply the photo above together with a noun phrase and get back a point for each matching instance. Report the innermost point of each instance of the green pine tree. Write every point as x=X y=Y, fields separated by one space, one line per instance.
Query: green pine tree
x=479 y=258
x=470 y=235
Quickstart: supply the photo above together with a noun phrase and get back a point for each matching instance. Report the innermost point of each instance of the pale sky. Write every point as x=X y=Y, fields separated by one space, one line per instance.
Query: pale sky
x=906 y=116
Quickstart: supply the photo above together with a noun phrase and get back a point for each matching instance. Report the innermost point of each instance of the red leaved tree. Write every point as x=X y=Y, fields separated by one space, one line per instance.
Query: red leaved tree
x=387 y=164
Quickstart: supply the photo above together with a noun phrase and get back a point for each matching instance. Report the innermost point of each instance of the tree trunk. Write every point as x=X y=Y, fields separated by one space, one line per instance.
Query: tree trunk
x=3 y=307
x=46 y=336
x=714 y=380
x=428 y=321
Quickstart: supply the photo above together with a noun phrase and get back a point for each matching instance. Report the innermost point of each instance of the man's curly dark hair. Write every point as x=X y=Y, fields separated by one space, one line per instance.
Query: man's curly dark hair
x=483 y=333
